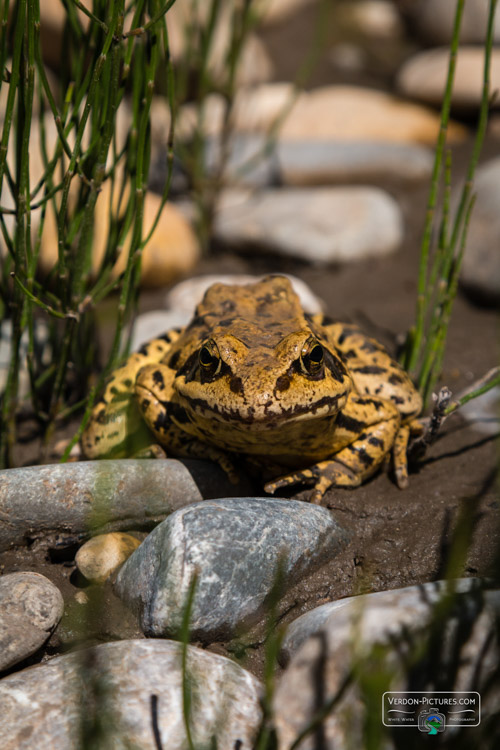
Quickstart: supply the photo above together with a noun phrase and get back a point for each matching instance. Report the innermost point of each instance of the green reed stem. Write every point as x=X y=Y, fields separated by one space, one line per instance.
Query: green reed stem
x=423 y=293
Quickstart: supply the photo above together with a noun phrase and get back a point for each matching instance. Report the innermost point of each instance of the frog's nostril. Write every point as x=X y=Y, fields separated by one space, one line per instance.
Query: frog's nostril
x=283 y=383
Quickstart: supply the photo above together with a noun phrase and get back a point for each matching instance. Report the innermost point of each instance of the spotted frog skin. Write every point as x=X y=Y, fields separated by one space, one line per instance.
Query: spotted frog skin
x=252 y=375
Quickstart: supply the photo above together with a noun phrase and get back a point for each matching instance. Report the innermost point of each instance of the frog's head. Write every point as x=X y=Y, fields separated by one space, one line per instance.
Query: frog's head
x=262 y=376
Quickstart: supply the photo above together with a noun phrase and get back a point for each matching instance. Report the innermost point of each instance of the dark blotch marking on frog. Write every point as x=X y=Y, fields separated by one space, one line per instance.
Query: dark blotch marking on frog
x=170 y=410
x=158 y=380
x=363 y=456
x=370 y=370
x=349 y=423
x=395 y=379
x=174 y=359
x=369 y=347
x=348 y=331
x=376 y=442
x=369 y=402
x=335 y=366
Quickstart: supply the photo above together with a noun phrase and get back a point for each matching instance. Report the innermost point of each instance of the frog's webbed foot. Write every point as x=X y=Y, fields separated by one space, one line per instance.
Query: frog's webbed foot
x=322 y=475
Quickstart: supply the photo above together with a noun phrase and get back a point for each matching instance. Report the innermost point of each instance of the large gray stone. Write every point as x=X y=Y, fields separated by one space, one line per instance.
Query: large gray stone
x=45 y=503
x=324 y=162
x=480 y=273
x=342 y=648
x=319 y=225
x=117 y=696
x=235 y=547
x=30 y=608
x=185 y=295
x=248 y=161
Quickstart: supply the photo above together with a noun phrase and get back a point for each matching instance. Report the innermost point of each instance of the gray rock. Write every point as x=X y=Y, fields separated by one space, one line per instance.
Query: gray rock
x=235 y=547
x=42 y=351
x=434 y=20
x=382 y=615
x=248 y=162
x=480 y=274
x=483 y=412
x=184 y=297
x=325 y=162
x=151 y=324
x=423 y=77
x=328 y=642
x=30 y=608
x=125 y=692
x=319 y=225
x=45 y=503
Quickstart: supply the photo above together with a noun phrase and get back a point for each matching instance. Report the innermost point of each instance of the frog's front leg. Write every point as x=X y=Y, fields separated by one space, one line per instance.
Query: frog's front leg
x=115 y=428
x=168 y=420
x=373 y=425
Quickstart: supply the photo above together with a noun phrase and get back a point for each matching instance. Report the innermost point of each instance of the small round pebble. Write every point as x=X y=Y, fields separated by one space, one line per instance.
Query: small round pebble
x=30 y=607
x=98 y=558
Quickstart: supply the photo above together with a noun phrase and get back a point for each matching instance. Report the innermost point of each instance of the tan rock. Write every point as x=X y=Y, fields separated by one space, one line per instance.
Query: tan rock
x=98 y=558
x=353 y=113
x=172 y=250
x=337 y=113
x=376 y=18
x=423 y=76
x=277 y=11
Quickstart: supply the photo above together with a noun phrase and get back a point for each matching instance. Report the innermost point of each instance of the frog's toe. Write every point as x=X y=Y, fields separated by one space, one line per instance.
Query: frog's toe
x=306 y=476
x=151 y=451
x=323 y=475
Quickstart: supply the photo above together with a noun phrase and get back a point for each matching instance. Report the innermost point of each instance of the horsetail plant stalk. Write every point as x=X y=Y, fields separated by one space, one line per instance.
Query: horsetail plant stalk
x=439 y=271
x=112 y=53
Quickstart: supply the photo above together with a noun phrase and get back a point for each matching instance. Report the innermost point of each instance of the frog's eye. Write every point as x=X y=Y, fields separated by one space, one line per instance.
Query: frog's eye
x=209 y=358
x=312 y=357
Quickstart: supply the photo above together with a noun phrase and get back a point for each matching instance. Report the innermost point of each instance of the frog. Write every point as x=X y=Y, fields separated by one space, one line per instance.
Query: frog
x=304 y=399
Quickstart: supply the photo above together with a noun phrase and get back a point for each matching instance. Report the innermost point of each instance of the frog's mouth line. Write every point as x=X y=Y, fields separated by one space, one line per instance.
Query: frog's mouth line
x=264 y=416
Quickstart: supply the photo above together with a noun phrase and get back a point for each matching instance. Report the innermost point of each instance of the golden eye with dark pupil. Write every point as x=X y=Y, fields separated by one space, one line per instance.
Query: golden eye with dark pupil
x=209 y=358
x=312 y=357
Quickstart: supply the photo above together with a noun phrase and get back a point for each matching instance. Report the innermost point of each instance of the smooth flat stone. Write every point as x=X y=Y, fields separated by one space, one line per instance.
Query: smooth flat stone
x=480 y=273
x=318 y=225
x=423 y=76
x=48 y=503
x=137 y=693
x=324 y=162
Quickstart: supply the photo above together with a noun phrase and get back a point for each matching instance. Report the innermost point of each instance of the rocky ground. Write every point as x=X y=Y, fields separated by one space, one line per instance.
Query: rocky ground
x=367 y=157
